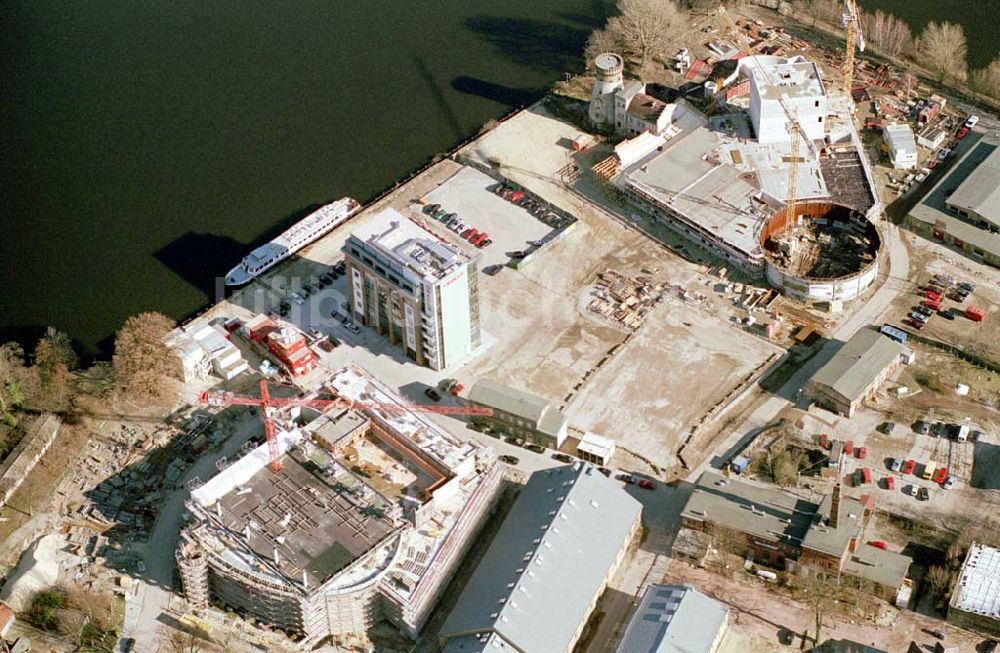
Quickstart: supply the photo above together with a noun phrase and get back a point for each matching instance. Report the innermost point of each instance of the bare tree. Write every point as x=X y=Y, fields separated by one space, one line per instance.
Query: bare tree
x=887 y=33
x=987 y=80
x=939 y=579
x=141 y=360
x=12 y=376
x=646 y=28
x=54 y=361
x=601 y=40
x=822 y=10
x=942 y=48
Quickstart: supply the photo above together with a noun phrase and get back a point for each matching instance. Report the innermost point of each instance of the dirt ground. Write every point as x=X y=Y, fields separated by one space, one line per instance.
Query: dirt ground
x=758 y=614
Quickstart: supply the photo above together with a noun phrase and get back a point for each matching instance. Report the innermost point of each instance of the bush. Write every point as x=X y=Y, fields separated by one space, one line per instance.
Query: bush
x=44 y=608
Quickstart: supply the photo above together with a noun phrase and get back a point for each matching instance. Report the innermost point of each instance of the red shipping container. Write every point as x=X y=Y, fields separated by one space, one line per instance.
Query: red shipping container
x=975 y=313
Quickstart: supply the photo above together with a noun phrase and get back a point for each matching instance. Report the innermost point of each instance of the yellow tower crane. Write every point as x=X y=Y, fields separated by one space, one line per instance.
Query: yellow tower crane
x=852 y=23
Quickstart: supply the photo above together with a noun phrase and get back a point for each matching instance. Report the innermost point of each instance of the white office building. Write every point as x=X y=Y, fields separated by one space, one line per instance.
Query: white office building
x=902 y=146
x=795 y=81
x=417 y=290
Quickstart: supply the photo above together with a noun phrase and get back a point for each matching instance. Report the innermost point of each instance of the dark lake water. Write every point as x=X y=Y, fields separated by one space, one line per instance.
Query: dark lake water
x=147 y=144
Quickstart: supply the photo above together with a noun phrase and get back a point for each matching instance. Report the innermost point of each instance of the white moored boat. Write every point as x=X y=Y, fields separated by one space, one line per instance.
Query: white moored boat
x=298 y=236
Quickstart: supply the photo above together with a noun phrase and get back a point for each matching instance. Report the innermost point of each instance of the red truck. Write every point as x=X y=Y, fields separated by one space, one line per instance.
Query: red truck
x=940 y=475
x=975 y=313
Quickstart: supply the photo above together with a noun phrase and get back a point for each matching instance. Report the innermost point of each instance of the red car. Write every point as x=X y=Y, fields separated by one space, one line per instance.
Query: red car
x=878 y=544
x=962 y=133
x=931 y=304
x=910 y=466
x=862 y=452
x=468 y=233
x=849 y=447
x=480 y=237
x=940 y=475
x=890 y=483
x=647 y=485
x=824 y=440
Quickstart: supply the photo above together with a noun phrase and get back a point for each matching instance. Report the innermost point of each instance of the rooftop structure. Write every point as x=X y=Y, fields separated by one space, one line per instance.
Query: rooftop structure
x=969 y=221
x=340 y=537
x=595 y=448
x=543 y=573
x=675 y=619
x=522 y=413
x=780 y=86
x=855 y=371
x=975 y=602
x=419 y=291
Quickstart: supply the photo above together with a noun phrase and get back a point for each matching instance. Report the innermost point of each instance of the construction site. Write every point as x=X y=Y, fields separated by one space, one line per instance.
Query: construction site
x=825 y=251
x=354 y=515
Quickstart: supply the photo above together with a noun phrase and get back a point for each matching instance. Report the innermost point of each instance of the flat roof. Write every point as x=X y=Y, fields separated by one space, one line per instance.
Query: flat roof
x=674 y=619
x=311 y=512
x=716 y=197
x=545 y=567
x=933 y=210
x=858 y=363
x=900 y=137
x=980 y=192
x=772 y=514
x=597 y=445
x=877 y=565
x=765 y=512
x=408 y=245
x=978 y=587
x=791 y=78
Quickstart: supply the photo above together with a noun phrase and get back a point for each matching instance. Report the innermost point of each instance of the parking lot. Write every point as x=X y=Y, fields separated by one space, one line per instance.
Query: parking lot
x=469 y=193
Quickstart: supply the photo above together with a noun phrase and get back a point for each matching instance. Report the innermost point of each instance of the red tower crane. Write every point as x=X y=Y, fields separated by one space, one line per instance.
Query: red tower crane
x=267 y=403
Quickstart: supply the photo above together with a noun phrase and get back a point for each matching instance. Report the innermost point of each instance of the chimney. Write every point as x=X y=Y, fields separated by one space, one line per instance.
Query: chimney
x=834 y=517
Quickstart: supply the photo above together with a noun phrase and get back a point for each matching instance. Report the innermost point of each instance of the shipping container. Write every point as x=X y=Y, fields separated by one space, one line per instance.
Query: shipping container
x=895 y=334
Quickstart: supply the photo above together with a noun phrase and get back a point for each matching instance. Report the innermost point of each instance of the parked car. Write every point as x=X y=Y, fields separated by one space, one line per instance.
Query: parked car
x=518 y=254
x=510 y=460
x=485 y=243
x=972 y=121
x=563 y=458
x=433 y=394
x=962 y=133
x=341 y=266
x=628 y=478
x=926 y=310
x=297 y=298
x=941 y=475
x=912 y=490
x=947 y=314
x=909 y=466
x=353 y=328
x=949 y=483
x=895 y=464
x=922 y=426
x=537 y=448
x=492 y=269
x=647 y=485
x=430 y=209
x=967 y=287
x=890 y=483
x=943 y=154
x=326 y=345
x=862 y=452
x=924 y=494
x=605 y=471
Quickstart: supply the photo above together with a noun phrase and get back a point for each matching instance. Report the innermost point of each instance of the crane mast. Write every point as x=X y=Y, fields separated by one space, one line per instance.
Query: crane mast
x=851 y=19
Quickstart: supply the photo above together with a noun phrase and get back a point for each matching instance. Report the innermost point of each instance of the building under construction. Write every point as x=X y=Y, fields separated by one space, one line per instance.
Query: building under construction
x=728 y=182
x=370 y=514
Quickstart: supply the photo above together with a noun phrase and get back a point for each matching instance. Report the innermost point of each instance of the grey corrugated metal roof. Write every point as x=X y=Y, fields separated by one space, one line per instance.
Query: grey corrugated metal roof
x=479 y=643
x=552 y=421
x=502 y=397
x=980 y=192
x=674 y=619
x=542 y=572
x=856 y=365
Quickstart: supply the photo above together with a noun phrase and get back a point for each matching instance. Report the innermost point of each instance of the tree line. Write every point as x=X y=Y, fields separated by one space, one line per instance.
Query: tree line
x=50 y=377
x=643 y=31
x=941 y=47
